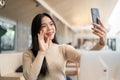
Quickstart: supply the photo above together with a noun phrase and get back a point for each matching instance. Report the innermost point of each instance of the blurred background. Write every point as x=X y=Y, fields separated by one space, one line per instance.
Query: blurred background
x=72 y=17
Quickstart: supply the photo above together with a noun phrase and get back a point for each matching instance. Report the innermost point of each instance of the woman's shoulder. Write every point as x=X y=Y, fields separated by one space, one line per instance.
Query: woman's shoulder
x=65 y=47
x=61 y=45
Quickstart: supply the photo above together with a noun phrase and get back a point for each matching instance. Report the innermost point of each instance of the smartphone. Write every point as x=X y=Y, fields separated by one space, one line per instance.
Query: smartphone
x=95 y=15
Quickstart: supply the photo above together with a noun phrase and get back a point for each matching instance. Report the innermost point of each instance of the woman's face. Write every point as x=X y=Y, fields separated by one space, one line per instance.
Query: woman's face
x=48 y=28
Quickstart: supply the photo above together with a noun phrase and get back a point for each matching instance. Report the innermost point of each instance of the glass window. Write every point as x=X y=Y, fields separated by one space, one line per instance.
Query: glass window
x=8 y=38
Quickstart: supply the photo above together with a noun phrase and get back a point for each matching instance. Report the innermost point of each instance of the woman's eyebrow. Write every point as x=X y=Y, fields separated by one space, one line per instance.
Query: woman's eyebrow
x=43 y=23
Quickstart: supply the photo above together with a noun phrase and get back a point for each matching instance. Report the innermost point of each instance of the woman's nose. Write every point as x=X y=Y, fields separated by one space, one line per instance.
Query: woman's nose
x=49 y=27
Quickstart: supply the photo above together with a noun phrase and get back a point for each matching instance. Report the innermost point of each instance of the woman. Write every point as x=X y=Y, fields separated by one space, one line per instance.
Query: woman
x=46 y=60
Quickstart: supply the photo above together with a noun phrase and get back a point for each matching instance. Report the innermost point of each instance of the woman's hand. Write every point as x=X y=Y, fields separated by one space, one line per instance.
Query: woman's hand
x=43 y=44
x=100 y=31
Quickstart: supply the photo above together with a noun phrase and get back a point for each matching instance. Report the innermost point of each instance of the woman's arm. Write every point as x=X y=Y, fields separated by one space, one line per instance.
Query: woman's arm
x=70 y=53
x=100 y=31
x=31 y=69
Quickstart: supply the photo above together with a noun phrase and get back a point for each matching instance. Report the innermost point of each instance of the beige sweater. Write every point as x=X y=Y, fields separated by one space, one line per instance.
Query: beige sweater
x=56 y=57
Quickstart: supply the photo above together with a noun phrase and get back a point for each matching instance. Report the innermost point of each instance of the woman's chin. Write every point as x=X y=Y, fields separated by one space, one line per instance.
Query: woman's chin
x=50 y=37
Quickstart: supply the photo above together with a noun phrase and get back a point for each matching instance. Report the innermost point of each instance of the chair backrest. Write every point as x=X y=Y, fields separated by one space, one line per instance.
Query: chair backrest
x=72 y=68
x=9 y=62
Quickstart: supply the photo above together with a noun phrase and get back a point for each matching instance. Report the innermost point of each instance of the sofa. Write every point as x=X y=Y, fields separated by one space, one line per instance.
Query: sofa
x=9 y=63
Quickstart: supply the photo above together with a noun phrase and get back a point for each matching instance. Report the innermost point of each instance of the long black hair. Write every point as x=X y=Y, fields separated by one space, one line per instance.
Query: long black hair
x=35 y=29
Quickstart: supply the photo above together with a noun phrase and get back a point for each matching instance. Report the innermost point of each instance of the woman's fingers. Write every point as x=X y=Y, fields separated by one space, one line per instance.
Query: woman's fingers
x=100 y=21
x=102 y=38
x=43 y=42
x=101 y=28
x=41 y=35
x=100 y=31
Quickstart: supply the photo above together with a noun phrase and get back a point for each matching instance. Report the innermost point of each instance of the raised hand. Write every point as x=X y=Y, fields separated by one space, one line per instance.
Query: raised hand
x=43 y=43
x=100 y=31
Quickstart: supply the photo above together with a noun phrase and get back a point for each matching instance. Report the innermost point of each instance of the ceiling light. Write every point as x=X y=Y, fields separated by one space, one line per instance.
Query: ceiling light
x=2 y=3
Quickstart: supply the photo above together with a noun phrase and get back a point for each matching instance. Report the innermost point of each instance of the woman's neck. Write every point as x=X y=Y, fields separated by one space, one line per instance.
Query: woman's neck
x=50 y=43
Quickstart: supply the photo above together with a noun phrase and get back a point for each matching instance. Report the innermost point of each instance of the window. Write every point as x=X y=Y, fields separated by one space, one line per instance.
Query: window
x=114 y=20
x=8 y=38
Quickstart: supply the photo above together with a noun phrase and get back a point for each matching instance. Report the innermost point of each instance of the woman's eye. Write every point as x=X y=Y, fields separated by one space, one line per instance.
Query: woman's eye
x=43 y=26
x=51 y=24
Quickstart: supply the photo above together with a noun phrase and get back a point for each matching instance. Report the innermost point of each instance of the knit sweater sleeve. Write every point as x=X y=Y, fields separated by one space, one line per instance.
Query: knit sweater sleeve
x=70 y=53
x=31 y=68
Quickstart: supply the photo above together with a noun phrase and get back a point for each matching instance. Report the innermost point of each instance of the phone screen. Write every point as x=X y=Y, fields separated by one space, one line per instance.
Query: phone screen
x=95 y=14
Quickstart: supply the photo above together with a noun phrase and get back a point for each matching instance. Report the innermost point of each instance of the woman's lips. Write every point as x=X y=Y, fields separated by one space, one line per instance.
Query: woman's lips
x=49 y=33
